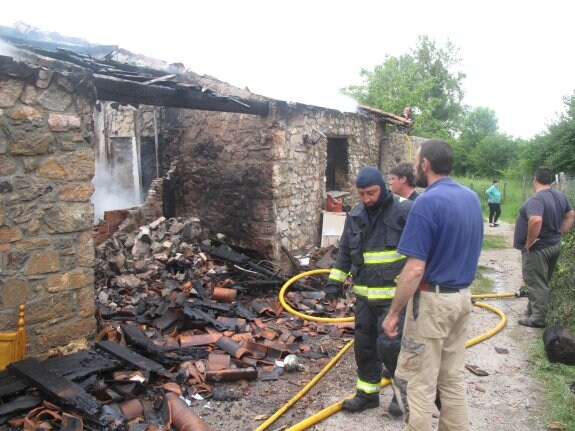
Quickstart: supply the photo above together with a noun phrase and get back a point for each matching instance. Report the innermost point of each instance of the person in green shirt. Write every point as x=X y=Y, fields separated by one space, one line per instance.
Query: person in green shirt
x=494 y=202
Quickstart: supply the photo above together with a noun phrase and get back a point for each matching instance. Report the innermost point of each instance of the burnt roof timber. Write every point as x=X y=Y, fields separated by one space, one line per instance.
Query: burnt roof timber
x=387 y=116
x=52 y=46
x=124 y=83
x=159 y=79
x=124 y=91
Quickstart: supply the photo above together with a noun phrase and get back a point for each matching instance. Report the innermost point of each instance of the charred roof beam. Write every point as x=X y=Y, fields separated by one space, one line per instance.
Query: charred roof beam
x=124 y=91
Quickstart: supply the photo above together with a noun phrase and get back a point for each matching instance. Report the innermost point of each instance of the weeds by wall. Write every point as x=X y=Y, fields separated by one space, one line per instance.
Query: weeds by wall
x=562 y=298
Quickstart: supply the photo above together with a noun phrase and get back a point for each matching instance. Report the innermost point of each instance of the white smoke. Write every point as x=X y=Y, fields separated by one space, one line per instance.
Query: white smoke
x=8 y=50
x=109 y=194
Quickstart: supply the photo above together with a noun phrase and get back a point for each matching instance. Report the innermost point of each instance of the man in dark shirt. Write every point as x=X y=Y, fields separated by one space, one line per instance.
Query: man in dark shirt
x=538 y=228
x=442 y=241
x=402 y=181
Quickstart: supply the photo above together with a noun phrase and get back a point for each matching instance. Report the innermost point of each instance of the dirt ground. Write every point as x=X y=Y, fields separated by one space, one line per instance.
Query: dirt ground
x=507 y=399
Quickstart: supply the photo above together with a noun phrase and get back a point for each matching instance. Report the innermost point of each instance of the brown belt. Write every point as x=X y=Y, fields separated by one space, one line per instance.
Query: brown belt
x=426 y=287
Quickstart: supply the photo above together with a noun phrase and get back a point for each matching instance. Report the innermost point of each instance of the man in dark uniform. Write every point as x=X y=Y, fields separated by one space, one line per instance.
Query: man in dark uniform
x=368 y=253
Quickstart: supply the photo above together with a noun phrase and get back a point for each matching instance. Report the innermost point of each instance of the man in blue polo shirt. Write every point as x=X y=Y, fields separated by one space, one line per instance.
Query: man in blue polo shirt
x=442 y=240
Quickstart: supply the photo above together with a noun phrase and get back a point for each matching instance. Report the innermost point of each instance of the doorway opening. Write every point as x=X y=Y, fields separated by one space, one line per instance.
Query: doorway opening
x=337 y=171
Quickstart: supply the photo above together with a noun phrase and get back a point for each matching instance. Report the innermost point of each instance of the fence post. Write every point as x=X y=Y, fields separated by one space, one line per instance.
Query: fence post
x=524 y=191
x=562 y=181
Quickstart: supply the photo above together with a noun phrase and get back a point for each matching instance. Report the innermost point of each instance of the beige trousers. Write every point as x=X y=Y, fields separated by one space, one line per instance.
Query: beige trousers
x=432 y=359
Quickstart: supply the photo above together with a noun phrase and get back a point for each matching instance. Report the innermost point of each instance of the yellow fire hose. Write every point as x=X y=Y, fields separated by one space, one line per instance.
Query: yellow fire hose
x=334 y=408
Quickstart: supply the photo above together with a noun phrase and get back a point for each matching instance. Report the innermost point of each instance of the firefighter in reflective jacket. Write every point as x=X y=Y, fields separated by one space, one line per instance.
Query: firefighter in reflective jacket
x=367 y=253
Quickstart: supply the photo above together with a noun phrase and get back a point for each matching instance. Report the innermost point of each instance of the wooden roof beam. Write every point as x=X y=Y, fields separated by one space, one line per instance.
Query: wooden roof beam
x=124 y=91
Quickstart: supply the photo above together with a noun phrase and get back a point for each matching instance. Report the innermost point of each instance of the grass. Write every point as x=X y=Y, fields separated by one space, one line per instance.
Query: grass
x=481 y=284
x=555 y=381
x=513 y=194
x=494 y=241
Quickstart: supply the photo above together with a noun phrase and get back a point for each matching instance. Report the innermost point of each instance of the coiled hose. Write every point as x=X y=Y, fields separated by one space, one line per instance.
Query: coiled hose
x=334 y=408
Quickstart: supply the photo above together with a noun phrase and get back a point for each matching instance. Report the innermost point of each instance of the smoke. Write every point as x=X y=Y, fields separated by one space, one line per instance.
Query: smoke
x=338 y=101
x=326 y=97
x=110 y=195
x=8 y=50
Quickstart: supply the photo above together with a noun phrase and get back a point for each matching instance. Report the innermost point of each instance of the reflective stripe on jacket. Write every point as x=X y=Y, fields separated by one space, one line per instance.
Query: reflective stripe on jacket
x=369 y=253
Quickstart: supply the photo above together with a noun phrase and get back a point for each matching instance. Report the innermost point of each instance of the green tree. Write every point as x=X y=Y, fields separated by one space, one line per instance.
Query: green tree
x=524 y=161
x=560 y=141
x=491 y=156
x=477 y=125
x=426 y=79
x=554 y=148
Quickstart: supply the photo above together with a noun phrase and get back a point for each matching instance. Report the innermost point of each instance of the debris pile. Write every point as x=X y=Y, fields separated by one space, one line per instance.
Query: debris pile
x=179 y=315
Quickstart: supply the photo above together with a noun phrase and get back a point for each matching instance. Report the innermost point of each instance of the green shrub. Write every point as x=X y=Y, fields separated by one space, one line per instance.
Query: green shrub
x=562 y=296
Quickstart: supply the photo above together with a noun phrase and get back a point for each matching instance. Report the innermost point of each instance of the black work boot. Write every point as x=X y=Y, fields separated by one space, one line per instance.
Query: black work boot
x=394 y=409
x=360 y=402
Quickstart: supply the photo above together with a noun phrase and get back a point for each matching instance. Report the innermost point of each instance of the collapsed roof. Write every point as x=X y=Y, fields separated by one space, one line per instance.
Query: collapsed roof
x=120 y=81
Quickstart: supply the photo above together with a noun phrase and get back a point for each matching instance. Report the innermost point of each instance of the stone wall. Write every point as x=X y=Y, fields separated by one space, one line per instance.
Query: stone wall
x=261 y=181
x=300 y=166
x=46 y=218
x=398 y=147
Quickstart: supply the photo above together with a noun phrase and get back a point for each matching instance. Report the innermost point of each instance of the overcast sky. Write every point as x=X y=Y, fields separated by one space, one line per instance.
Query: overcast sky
x=518 y=56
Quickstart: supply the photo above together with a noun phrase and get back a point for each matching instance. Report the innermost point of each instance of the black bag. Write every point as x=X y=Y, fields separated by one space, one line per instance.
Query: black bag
x=559 y=345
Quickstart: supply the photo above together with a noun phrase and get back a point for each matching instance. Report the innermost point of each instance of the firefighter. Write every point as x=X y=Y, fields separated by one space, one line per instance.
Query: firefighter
x=367 y=253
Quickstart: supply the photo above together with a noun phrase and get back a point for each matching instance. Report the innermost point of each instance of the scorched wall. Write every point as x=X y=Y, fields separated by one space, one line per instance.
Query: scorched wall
x=262 y=180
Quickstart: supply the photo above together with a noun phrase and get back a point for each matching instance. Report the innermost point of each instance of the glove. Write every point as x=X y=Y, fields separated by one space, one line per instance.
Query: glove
x=333 y=291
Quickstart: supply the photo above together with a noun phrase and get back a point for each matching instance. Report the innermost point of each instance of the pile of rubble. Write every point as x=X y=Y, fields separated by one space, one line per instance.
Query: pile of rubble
x=179 y=314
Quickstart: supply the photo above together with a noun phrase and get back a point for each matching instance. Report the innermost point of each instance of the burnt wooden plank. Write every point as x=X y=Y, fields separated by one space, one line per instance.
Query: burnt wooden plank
x=11 y=383
x=23 y=403
x=130 y=357
x=166 y=355
x=197 y=314
x=73 y=367
x=61 y=391
x=82 y=364
x=124 y=91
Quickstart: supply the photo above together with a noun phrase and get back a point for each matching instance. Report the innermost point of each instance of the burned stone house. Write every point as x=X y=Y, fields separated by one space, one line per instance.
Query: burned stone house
x=178 y=145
